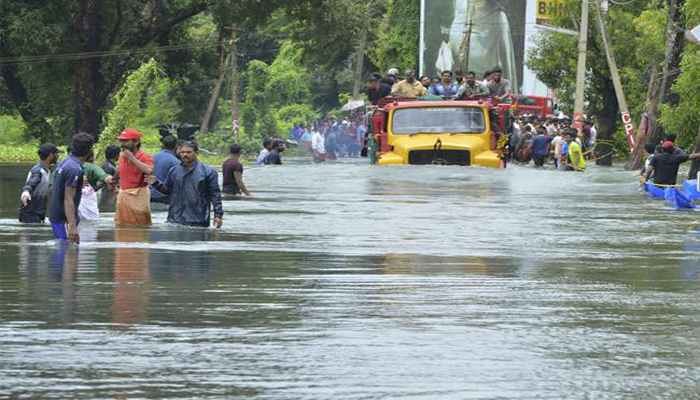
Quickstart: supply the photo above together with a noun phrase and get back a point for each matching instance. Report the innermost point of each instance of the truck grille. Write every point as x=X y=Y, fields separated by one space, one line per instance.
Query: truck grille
x=439 y=157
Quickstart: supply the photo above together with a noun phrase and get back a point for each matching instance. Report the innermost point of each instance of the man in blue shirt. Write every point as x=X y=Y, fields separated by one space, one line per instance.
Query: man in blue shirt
x=164 y=160
x=446 y=87
x=67 y=190
x=541 y=147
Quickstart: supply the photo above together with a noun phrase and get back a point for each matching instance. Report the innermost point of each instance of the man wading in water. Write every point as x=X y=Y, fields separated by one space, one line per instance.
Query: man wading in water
x=193 y=187
x=134 y=200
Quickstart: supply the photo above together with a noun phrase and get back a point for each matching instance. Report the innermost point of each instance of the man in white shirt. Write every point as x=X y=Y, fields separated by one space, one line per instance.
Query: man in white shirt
x=556 y=146
x=318 y=146
x=267 y=143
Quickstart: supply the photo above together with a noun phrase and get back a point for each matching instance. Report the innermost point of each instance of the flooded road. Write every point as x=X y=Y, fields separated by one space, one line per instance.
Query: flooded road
x=359 y=282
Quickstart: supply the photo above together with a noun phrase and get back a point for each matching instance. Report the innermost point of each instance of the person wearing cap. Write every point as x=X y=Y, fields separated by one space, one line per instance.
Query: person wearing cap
x=163 y=161
x=35 y=193
x=134 y=199
x=391 y=77
x=376 y=90
x=664 y=166
x=409 y=87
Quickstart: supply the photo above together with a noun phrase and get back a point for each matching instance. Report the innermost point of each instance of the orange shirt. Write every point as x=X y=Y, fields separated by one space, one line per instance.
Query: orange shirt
x=130 y=175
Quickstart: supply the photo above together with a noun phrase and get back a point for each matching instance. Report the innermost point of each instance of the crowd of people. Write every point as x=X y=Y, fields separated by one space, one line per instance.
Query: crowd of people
x=173 y=177
x=461 y=86
x=331 y=138
x=551 y=140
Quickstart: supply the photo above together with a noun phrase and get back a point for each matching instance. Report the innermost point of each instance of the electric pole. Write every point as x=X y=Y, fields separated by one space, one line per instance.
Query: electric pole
x=581 y=68
x=234 y=81
x=614 y=74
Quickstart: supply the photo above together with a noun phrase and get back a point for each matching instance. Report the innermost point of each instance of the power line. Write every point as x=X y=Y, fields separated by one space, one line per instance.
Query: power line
x=99 y=54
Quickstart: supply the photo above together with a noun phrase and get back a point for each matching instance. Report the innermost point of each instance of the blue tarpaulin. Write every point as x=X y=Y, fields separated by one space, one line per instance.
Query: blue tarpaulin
x=678 y=199
x=691 y=189
x=655 y=192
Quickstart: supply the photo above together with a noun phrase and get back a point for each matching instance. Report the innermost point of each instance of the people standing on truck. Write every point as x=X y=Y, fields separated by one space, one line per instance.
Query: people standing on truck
x=134 y=199
x=446 y=87
x=163 y=161
x=267 y=146
x=487 y=78
x=66 y=192
x=471 y=89
x=35 y=193
x=499 y=86
x=193 y=189
x=409 y=87
x=425 y=81
x=459 y=77
x=377 y=90
x=391 y=77
x=232 y=172
x=664 y=166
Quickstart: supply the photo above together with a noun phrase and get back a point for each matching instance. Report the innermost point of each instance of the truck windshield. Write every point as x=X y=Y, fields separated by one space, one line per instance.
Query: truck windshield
x=418 y=120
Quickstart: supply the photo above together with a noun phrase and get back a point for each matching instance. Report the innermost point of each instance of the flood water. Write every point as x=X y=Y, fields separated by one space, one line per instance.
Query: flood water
x=351 y=281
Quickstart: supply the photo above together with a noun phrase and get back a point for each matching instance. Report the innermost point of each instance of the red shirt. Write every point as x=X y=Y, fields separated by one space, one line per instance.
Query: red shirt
x=130 y=175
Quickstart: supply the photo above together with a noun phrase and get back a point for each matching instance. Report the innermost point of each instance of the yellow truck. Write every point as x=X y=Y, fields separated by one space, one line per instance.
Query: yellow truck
x=408 y=131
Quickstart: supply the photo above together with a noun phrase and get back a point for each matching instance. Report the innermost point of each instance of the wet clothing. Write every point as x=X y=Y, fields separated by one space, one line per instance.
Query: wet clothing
x=94 y=176
x=38 y=187
x=666 y=167
x=375 y=95
x=575 y=152
x=60 y=231
x=262 y=156
x=163 y=161
x=540 y=145
x=192 y=193
x=134 y=200
x=230 y=167
x=129 y=175
x=134 y=207
x=441 y=90
x=407 y=89
x=69 y=173
x=273 y=158
x=109 y=168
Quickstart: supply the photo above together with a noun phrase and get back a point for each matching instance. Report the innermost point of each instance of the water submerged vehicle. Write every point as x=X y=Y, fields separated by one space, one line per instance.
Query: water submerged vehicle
x=440 y=132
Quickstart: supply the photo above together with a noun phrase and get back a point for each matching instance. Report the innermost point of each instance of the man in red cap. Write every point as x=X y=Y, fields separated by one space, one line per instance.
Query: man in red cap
x=664 y=166
x=134 y=200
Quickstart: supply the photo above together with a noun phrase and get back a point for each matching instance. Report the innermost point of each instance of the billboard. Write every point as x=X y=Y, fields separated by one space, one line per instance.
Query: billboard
x=474 y=35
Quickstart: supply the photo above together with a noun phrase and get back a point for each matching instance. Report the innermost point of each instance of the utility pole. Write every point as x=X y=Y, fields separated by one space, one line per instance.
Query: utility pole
x=614 y=74
x=360 y=64
x=581 y=68
x=234 y=80
x=468 y=39
x=204 y=128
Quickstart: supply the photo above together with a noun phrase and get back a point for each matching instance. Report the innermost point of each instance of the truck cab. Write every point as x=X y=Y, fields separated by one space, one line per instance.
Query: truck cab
x=407 y=131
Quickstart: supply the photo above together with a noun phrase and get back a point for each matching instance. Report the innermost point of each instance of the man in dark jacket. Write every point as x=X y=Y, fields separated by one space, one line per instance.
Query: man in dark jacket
x=35 y=193
x=193 y=187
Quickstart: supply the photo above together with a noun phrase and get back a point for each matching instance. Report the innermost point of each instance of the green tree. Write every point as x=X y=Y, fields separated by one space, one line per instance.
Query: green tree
x=397 y=36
